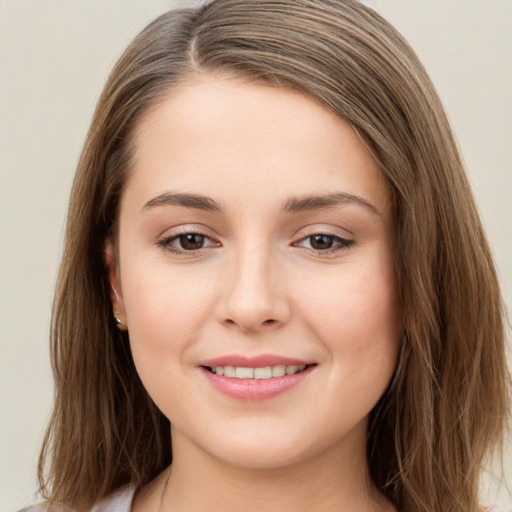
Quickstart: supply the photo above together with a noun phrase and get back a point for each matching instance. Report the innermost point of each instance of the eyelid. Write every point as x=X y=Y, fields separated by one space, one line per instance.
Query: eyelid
x=324 y=229
x=343 y=244
x=185 y=229
x=164 y=241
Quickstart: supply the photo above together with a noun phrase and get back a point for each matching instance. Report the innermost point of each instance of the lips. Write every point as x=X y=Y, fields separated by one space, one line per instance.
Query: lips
x=255 y=378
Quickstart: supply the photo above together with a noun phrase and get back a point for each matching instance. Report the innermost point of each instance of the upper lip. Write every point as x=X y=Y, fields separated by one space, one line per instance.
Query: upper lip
x=259 y=361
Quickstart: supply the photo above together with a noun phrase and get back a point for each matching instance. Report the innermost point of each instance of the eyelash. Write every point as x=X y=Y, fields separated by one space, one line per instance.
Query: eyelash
x=340 y=243
x=166 y=242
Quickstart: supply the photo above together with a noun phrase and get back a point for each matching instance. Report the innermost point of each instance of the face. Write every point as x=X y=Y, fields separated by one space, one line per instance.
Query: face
x=255 y=270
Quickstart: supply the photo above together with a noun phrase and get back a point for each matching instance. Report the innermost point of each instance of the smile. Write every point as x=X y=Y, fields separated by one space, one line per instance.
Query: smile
x=266 y=372
x=257 y=378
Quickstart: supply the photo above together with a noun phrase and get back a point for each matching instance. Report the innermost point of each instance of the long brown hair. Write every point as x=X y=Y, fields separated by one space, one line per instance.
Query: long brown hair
x=447 y=404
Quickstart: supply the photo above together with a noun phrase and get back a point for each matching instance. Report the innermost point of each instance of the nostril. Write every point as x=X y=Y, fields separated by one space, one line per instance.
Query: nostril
x=248 y=325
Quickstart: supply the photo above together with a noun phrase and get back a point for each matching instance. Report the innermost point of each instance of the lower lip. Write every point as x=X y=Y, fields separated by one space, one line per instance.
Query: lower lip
x=255 y=389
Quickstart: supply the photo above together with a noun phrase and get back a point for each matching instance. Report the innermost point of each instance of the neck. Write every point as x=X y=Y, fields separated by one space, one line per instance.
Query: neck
x=334 y=480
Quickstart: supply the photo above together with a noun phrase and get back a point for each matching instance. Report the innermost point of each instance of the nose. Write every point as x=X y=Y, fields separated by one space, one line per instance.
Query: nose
x=254 y=297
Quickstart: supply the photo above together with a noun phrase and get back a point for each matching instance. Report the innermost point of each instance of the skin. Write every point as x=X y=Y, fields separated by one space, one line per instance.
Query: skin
x=260 y=284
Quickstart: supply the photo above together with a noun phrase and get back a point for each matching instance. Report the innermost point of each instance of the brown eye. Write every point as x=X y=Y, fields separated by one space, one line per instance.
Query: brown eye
x=187 y=243
x=191 y=241
x=321 y=242
x=324 y=243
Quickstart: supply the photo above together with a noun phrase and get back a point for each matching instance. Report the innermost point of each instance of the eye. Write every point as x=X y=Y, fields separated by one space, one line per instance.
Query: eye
x=190 y=241
x=186 y=242
x=324 y=242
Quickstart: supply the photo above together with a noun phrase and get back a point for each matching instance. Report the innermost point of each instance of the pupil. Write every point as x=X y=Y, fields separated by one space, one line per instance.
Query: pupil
x=191 y=241
x=321 y=242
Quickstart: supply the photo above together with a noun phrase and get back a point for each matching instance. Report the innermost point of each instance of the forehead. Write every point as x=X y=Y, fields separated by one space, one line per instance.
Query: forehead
x=220 y=134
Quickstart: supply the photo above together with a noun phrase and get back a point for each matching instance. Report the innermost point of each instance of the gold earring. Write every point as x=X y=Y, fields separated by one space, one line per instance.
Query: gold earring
x=119 y=323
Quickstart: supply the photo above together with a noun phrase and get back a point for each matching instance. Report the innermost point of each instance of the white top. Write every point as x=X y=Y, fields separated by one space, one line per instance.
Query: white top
x=121 y=501
x=118 y=501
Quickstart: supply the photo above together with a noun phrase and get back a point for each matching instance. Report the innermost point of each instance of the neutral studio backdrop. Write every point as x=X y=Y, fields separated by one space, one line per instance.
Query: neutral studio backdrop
x=54 y=58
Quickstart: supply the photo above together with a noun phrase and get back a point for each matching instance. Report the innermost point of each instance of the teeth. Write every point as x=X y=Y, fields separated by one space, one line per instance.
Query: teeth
x=229 y=371
x=263 y=373
x=244 y=373
x=267 y=372
x=279 y=371
x=290 y=370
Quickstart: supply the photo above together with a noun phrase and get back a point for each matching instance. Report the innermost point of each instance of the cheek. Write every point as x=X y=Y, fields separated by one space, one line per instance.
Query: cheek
x=166 y=308
x=167 y=312
x=359 y=320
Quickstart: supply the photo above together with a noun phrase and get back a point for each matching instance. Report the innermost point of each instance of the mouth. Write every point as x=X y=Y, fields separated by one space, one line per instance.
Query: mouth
x=263 y=379
x=260 y=373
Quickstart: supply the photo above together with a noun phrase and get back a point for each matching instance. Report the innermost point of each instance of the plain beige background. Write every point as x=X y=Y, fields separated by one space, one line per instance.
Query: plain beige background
x=54 y=58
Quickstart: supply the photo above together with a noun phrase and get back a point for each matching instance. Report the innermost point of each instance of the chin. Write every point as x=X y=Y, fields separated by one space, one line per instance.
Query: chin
x=255 y=457
x=274 y=446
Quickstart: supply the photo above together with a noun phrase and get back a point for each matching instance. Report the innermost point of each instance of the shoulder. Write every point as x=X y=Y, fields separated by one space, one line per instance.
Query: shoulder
x=498 y=508
x=118 y=501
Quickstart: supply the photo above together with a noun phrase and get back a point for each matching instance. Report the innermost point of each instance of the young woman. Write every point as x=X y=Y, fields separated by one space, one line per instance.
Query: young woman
x=275 y=293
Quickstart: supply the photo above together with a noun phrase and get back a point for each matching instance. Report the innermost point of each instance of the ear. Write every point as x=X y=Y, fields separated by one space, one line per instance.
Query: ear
x=116 y=295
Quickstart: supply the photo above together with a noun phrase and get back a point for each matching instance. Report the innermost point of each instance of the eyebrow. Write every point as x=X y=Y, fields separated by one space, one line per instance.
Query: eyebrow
x=316 y=202
x=292 y=205
x=187 y=200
